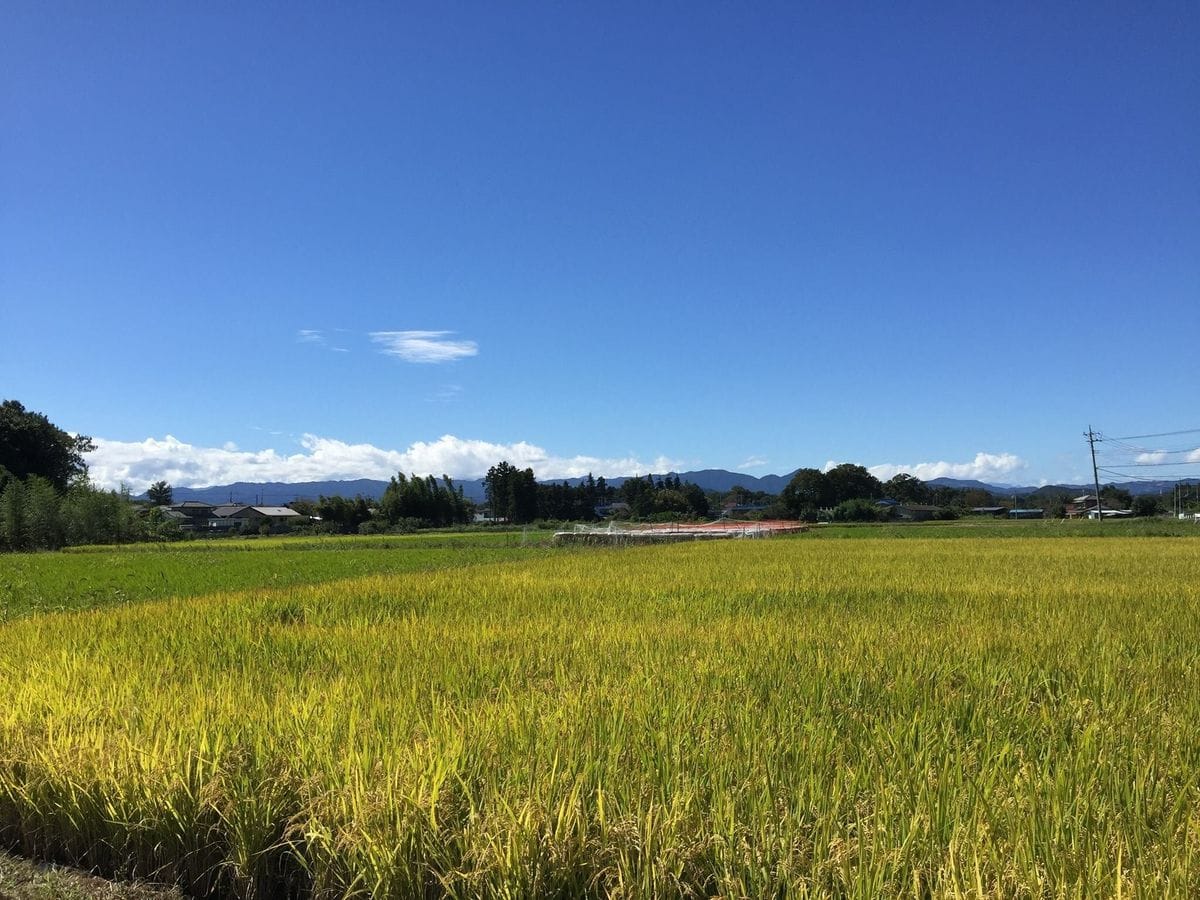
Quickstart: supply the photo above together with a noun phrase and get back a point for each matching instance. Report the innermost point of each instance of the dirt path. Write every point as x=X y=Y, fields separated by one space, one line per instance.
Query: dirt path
x=21 y=879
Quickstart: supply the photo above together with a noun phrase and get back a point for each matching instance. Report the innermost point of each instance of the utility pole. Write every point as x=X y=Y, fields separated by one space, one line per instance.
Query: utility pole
x=1092 y=437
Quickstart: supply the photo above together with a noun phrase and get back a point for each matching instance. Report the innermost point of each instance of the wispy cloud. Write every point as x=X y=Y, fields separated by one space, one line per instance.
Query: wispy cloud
x=446 y=394
x=984 y=467
x=423 y=346
x=310 y=336
x=141 y=463
x=753 y=462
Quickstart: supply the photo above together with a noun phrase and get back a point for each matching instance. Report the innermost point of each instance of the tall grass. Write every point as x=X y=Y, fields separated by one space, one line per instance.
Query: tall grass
x=869 y=718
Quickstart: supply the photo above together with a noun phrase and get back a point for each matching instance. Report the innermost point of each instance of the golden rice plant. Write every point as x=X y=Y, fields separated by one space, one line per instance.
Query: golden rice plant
x=788 y=718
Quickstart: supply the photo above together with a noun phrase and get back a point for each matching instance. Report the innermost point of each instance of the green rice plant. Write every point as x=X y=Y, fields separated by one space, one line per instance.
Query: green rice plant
x=82 y=577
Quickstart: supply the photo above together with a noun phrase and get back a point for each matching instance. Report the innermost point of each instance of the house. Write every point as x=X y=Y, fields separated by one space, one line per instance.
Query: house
x=191 y=515
x=176 y=518
x=276 y=515
x=998 y=512
x=1026 y=513
x=228 y=518
x=916 y=512
x=1085 y=505
x=911 y=512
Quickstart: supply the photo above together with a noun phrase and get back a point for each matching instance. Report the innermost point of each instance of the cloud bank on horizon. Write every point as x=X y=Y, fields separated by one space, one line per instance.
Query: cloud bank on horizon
x=1167 y=457
x=988 y=467
x=139 y=464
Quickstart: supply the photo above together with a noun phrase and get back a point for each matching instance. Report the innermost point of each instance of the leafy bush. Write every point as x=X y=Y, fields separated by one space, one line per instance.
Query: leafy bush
x=856 y=511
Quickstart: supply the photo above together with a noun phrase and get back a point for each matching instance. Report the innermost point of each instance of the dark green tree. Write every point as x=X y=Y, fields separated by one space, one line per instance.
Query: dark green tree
x=423 y=502
x=669 y=500
x=342 y=514
x=697 y=500
x=1114 y=496
x=639 y=494
x=524 y=498
x=851 y=482
x=1146 y=505
x=907 y=489
x=511 y=493
x=808 y=491
x=497 y=487
x=159 y=493
x=31 y=445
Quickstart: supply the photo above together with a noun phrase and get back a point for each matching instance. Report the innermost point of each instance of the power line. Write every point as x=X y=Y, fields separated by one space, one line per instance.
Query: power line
x=1177 y=462
x=1133 y=448
x=1135 y=437
x=1131 y=477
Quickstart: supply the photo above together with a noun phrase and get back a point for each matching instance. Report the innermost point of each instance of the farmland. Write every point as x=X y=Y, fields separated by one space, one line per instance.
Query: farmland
x=1001 y=714
x=84 y=577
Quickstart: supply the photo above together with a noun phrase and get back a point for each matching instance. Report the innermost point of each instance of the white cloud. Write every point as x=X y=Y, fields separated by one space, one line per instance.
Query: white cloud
x=309 y=336
x=753 y=462
x=423 y=346
x=446 y=394
x=984 y=467
x=141 y=463
x=1169 y=457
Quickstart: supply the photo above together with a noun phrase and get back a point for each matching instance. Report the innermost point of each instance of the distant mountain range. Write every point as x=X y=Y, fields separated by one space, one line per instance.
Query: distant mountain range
x=277 y=493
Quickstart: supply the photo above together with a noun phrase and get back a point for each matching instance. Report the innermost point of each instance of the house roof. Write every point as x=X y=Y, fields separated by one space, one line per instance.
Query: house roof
x=224 y=512
x=275 y=511
x=191 y=504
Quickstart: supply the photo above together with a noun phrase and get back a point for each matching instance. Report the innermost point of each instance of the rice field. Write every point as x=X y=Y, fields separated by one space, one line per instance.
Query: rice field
x=84 y=577
x=797 y=717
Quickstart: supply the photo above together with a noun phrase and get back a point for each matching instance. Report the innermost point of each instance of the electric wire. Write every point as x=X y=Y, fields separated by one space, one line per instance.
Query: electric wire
x=1134 y=437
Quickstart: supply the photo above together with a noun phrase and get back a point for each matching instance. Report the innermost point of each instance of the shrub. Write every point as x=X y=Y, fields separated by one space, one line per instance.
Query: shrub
x=856 y=511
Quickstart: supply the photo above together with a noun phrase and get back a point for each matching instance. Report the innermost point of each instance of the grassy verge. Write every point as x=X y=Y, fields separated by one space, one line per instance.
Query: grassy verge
x=21 y=879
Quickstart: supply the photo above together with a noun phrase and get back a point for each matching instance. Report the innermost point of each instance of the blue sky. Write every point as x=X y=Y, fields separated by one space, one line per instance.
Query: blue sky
x=291 y=241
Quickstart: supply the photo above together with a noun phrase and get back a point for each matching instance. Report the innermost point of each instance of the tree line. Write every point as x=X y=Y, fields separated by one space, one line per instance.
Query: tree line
x=514 y=495
x=407 y=504
x=46 y=501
